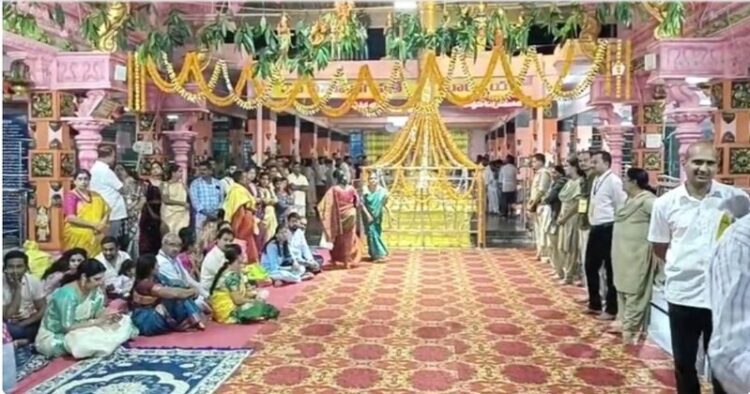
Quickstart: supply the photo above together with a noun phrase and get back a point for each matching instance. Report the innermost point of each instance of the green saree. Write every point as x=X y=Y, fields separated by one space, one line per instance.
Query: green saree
x=375 y=202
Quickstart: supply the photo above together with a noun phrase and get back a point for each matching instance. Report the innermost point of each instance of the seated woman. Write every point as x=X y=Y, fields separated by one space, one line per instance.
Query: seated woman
x=233 y=299
x=190 y=254
x=278 y=262
x=76 y=322
x=214 y=260
x=65 y=265
x=159 y=309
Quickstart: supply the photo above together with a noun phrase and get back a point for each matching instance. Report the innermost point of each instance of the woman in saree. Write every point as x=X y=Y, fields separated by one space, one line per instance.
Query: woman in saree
x=268 y=201
x=233 y=298
x=239 y=208
x=175 y=210
x=86 y=216
x=568 y=224
x=633 y=266
x=76 y=322
x=159 y=308
x=67 y=264
x=284 y=200
x=375 y=200
x=338 y=216
x=150 y=221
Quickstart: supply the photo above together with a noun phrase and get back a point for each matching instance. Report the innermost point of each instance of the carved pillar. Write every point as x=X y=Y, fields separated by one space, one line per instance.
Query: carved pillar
x=613 y=133
x=181 y=139
x=89 y=128
x=88 y=138
x=687 y=113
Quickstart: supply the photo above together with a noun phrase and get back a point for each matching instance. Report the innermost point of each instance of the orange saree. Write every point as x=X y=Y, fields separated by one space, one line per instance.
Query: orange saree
x=239 y=207
x=338 y=214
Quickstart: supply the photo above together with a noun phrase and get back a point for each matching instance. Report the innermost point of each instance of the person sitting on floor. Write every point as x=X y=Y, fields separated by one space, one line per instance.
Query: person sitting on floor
x=123 y=284
x=233 y=298
x=298 y=246
x=65 y=265
x=159 y=308
x=277 y=260
x=173 y=274
x=76 y=322
x=24 y=300
x=112 y=258
x=214 y=259
x=191 y=254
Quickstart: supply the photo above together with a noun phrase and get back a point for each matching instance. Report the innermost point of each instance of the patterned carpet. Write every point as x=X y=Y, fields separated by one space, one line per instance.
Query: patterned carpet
x=456 y=321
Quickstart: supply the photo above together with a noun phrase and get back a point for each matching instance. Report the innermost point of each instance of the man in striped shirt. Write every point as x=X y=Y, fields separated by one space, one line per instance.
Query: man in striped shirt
x=729 y=293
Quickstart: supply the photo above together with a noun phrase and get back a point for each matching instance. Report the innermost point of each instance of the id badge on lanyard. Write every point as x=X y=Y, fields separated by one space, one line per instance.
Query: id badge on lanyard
x=583 y=205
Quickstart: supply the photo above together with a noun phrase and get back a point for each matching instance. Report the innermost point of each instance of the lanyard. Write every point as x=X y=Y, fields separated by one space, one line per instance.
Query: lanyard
x=598 y=184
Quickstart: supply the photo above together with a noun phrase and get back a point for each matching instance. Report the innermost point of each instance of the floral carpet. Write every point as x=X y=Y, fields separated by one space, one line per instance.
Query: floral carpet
x=147 y=371
x=469 y=321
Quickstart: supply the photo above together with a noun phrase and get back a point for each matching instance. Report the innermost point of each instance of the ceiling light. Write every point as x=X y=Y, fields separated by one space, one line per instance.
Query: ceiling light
x=173 y=117
x=398 y=121
x=402 y=5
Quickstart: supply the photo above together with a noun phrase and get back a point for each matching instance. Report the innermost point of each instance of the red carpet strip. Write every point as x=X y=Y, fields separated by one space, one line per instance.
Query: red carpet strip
x=467 y=321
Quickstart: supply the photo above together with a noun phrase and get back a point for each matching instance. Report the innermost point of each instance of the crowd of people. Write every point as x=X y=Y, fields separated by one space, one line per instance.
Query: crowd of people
x=614 y=236
x=153 y=256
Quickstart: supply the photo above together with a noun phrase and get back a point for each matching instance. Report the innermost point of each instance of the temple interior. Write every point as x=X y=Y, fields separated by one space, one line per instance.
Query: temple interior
x=427 y=97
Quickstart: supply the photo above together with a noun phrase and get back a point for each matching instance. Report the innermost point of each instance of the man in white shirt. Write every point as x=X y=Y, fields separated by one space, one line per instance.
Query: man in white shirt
x=299 y=184
x=112 y=258
x=214 y=259
x=605 y=198
x=105 y=182
x=683 y=231
x=298 y=246
x=729 y=292
x=508 y=185
x=24 y=299
x=175 y=272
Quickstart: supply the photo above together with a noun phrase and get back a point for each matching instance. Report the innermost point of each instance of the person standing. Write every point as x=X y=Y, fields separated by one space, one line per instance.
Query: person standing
x=605 y=199
x=584 y=163
x=206 y=195
x=682 y=233
x=175 y=210
x=490 y=184
x=632 y=262
x=567 y=222
x=729 y=292
x=540 y=184
x=509 y=184
x=299 y=185
x=105 y=182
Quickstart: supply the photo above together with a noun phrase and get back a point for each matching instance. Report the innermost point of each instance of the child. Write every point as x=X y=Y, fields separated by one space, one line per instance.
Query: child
x=190 y=254
x=123 y=284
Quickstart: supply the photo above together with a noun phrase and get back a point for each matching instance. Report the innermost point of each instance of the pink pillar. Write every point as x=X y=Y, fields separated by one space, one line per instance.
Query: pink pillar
x=181 y=142
x=613 y=133
x=687 y=113
x=615 y=137
x=88 y=138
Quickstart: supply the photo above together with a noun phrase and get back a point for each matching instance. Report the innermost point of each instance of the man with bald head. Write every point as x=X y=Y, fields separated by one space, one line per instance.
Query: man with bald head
x=684 y=229
x=170 y=268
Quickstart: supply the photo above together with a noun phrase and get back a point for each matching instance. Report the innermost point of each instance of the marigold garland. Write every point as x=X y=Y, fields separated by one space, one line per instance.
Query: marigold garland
x=280 y=95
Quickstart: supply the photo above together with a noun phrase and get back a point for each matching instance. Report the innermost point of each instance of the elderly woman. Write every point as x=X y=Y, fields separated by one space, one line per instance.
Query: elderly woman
x=632 y=260
x=86 y=216
x=76 y=322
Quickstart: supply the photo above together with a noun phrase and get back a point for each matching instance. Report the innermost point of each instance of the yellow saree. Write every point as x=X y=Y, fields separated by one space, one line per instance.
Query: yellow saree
x=94 y=211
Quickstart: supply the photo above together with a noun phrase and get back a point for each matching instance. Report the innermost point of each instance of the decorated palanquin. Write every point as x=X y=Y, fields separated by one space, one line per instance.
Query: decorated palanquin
x=436 y=191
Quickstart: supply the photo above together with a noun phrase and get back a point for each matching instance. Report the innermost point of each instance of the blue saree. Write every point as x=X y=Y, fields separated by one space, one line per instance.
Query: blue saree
x=375 y=204
x=155 y=316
